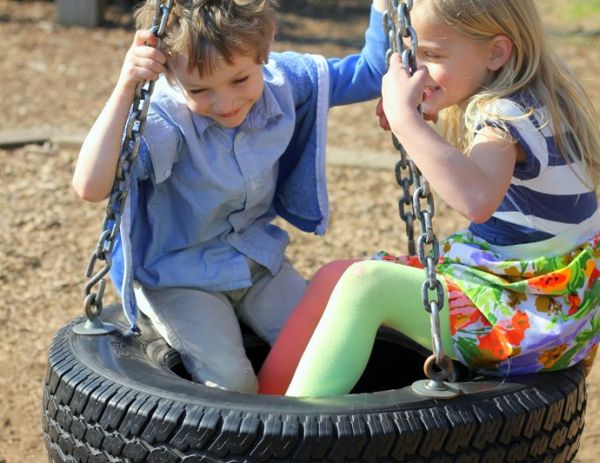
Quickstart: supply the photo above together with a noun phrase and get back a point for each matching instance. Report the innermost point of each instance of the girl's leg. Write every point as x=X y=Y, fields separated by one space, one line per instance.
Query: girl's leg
x=279 y=366
x=369 y=294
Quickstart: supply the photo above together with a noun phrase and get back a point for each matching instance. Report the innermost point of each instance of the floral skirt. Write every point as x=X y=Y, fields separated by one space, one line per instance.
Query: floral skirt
x=510 y=316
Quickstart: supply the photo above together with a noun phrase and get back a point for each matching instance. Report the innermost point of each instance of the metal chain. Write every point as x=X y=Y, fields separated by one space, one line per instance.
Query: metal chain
x=398 y=26
x=396 y=23
x=96 y=284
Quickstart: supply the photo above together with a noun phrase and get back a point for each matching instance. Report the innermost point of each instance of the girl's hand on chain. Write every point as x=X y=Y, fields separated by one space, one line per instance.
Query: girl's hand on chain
x=402 y=93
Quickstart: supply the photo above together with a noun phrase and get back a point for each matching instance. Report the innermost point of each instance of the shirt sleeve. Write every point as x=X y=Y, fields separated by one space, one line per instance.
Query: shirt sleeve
x=526 y=129
x=358 y=77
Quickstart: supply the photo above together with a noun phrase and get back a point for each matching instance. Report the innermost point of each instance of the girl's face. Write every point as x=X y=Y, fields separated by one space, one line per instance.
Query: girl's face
x=227 y=94
x=458 y=66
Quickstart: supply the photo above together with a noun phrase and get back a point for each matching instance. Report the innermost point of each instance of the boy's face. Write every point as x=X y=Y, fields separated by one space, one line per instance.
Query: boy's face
x=227 y=94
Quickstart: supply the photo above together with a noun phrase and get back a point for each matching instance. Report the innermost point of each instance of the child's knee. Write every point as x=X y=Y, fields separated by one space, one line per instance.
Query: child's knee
x=236 y=376
x=362 y=275
x=240 y=381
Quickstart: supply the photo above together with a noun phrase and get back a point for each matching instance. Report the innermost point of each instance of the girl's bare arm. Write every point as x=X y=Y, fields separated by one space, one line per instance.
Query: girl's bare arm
x=380 y=5
x=473 y=185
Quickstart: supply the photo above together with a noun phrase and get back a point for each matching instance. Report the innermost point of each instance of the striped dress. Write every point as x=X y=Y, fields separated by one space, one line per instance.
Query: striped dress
x=546 y=196
x=523 y=289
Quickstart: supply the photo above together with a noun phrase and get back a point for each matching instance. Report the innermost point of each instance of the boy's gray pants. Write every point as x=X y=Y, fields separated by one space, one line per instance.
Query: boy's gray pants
x=203 y=326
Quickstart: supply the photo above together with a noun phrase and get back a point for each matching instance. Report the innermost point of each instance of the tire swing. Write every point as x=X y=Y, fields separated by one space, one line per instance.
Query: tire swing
x=111 y=395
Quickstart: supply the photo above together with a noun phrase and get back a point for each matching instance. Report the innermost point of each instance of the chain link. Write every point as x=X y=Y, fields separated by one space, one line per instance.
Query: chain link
x=94 y=288
x=419 y=202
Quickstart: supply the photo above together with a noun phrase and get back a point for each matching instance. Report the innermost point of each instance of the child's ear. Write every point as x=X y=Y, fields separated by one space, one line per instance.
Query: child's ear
x=501 y=49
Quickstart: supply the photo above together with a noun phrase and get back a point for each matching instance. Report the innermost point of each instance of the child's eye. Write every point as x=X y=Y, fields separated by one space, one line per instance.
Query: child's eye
x=241 y=80
x=197 y=91
x=431 y=55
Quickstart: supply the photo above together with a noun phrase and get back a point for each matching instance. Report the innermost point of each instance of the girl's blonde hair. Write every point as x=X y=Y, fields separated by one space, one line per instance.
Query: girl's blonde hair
x=207 y=30
x=533 y=68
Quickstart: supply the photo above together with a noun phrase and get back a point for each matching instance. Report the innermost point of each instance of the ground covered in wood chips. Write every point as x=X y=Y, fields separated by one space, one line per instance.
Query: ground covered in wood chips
x=56 y=79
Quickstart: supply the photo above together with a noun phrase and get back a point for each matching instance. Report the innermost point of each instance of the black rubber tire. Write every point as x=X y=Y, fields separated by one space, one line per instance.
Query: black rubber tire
x=117 y=398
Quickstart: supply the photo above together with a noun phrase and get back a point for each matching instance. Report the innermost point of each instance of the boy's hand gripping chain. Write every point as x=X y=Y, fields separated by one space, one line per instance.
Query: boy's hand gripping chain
x=92 y=301
x=438 y=367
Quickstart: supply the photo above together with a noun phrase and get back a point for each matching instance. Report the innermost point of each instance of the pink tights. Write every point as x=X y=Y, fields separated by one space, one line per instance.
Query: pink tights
x=280 y=365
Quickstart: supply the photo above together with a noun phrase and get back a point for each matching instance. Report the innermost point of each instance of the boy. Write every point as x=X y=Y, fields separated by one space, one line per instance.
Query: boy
x=235 y=135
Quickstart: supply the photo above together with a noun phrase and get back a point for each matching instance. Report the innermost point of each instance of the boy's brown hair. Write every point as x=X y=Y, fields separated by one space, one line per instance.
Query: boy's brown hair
x=206 y=30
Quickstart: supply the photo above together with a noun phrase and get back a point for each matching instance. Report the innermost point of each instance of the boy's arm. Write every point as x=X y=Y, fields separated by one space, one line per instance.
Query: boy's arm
x=95 y=169
x=358 y=77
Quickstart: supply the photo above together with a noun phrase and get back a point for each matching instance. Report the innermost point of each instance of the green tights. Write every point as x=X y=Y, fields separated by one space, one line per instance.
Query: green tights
x=368 y=295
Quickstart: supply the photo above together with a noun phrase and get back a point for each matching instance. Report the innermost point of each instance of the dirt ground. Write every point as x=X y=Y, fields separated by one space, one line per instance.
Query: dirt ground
x=57 y=78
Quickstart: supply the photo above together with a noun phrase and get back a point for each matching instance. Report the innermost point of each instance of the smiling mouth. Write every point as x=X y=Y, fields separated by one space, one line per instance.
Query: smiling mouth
x=230 y=114
x=429 y=91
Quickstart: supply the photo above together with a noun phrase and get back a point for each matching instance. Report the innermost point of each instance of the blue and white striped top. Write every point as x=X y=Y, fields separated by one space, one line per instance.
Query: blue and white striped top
x=547 y=196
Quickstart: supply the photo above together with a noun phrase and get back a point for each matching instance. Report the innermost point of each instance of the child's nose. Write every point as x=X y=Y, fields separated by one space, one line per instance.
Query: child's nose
x=223 y=102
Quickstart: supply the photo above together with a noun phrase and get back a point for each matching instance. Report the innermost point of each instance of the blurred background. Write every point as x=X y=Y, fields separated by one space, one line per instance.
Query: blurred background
x=54 y=80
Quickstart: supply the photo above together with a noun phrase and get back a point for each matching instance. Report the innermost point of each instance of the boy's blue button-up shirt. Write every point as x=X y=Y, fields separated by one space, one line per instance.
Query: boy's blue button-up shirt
x=204 y=197
x=208 y=194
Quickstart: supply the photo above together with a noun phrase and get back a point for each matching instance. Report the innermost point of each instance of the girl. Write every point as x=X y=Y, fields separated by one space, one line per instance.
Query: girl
x=521 y=283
